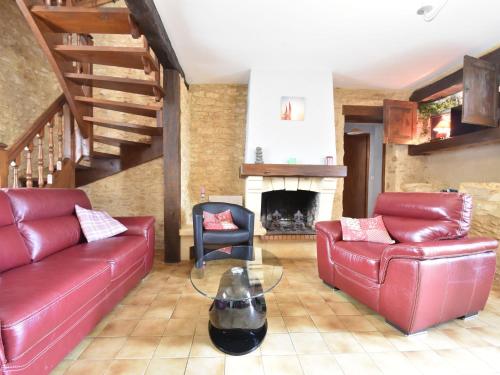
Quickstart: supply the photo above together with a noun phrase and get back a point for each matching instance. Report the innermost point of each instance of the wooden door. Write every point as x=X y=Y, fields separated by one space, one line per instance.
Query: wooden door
x=400 y=121
x=480 y=92
x=357 y=160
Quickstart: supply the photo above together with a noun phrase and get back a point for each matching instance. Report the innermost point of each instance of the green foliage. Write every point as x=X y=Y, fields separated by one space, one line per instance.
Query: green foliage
x=440 y=106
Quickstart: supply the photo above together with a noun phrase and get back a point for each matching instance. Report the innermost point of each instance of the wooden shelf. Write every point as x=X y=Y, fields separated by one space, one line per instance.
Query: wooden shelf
x=293 y=170
x=466 y=140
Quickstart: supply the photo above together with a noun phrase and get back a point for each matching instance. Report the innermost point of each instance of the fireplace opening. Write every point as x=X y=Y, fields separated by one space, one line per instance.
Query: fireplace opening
x=289 y=212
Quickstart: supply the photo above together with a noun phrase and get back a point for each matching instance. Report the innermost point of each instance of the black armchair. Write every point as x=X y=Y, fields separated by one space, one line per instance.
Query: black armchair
x=214 y=239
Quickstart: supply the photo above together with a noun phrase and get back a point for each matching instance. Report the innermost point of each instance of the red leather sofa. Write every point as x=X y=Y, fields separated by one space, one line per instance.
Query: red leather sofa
x=55 y=287
x=433 y=273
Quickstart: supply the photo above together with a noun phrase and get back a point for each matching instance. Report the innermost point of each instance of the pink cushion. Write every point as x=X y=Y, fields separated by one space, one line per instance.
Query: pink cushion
x=220 y=221
x=97 y=225
x=370 y=230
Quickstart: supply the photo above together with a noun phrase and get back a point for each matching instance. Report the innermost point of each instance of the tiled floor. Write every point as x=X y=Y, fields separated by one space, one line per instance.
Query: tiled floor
x=161 y=328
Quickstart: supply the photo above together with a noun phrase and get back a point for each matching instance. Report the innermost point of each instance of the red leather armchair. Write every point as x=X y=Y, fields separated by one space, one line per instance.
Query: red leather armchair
x=54 y=286
x=434 y=272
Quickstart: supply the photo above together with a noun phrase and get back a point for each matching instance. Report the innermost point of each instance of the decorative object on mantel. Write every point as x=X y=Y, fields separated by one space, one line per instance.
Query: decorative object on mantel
x=292 y=108
x=203 y=197
x=259 y=158
x=293 y=170
x=329 y=160
x=292 y=161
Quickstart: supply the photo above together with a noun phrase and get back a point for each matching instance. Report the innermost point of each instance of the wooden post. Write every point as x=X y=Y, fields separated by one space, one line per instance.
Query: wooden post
x=4 y=166
x=29 y=168
x=40 y=160
x=59 y=140
x=172 y=164
x=50 y=176
x=15 y=174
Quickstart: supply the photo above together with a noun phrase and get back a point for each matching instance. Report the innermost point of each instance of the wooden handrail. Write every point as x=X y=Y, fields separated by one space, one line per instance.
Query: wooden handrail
x=36 y=128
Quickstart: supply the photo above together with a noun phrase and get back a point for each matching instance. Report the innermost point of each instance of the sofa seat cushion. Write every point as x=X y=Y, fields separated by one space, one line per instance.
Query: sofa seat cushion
x=120 y=252
x=361 y=257
x=39 y=297
x=214 y=237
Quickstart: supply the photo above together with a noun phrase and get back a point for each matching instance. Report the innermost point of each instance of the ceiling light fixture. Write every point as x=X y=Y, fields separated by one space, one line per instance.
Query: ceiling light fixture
x=429 y=11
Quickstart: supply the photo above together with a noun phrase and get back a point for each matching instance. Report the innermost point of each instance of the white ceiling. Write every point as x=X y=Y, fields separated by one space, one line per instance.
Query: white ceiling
x=365 y=43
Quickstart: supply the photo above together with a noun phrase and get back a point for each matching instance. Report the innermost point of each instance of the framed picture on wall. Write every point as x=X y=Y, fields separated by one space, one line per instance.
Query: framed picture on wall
x=292 y=108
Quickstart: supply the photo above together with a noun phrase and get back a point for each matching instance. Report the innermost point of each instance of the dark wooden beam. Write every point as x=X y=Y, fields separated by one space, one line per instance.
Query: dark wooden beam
x=146 y=16
x=366 y=114
x=450 y=84
x=172 y=164
x=293 y=170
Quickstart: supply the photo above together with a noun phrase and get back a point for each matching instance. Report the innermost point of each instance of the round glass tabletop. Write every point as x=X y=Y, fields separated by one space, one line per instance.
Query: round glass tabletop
x=237 y=273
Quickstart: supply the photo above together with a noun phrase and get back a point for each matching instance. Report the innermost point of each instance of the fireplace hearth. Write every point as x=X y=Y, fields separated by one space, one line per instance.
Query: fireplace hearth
x=289 y=212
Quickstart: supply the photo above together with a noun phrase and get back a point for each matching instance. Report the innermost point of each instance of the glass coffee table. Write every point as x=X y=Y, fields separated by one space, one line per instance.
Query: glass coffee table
x=236 y=278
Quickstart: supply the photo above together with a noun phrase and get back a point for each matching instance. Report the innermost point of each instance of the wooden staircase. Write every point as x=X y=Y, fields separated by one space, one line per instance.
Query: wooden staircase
x=66 y=31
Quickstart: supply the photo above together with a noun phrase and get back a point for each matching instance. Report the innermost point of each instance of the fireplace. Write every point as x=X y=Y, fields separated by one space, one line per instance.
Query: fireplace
x=289 y=212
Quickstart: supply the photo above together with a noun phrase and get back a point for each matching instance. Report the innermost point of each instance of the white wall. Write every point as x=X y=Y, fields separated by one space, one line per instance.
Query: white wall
x=308 y=141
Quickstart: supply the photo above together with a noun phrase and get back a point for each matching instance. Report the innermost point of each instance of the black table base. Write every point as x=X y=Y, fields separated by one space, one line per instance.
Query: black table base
x=237 y=341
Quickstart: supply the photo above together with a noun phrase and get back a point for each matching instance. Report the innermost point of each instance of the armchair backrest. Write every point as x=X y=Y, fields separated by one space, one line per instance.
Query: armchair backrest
x=419 y=217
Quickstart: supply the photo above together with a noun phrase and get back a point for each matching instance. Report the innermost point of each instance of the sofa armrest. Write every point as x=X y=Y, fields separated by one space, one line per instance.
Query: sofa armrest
x=137 y=225
x=331 y=229
x=436 y=250
x=3 y=359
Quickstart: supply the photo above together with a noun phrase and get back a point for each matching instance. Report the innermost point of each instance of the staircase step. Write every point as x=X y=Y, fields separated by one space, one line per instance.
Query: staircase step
x=132 y=128
x=135 y=86
x=125 y=57
x=85 y=20
x=148 y=110
x=118 y=142
x=104 y=155
x=81 y=167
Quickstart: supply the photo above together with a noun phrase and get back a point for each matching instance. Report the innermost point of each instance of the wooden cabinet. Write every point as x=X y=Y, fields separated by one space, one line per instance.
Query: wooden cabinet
x=480 y=95
x=400 y=121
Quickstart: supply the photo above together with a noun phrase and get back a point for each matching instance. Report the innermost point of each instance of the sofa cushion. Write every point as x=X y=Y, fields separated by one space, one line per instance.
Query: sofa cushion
x=120 y=252
x=213 y=237
x=361 y=257
x=38 y=297
x=13 y=251
x=46 y=218
x=420 y=217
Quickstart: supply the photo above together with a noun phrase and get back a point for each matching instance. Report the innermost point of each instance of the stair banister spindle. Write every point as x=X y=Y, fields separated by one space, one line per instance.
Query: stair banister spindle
x=29 y=168
x=15 y=174
x=40 y=160
x=59 y=140
x=50 y=176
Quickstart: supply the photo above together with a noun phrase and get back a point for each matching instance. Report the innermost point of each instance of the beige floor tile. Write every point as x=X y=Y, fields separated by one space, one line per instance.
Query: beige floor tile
x=329 y=323
x=276 y=324
x=489 y=334
x=282 y=365
x=138 y=348
x=247 y=365
x=181 y=327
x=277 y=344
x=406 y=343
x=393 y=363
x=205 y=366
x=309 y=343
x=75 y=353
x=201 y=328
x=292 y=309
x=344 y=308
x=310 y=298
x=103 y=348
x=150 y=327
x=61 y=368
x=357 y=364
x=127 y=367
x=489 y=355
x=187 y=311
x=87 y=367
x=167 y=366
x=174 y=347
x=118 y=328
x=203 y=347
x=129 y=312
x=272 y=310
x=429 y=362
x=299 y=324
x=382 y=326
x=342 y=342
x=319 y=364
x=374 y=342
x=437 y=340
x=318 y=309
x=287 y=298
x=141 y=299
x=333 y=296
x=464 y=338
x=357 y=323
x=158 y=312
x=464 y=362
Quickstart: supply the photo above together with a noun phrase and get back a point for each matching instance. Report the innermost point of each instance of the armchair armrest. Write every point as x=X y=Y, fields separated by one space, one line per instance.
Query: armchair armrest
x=436 y=250
x=331 y=229
x=137 y=225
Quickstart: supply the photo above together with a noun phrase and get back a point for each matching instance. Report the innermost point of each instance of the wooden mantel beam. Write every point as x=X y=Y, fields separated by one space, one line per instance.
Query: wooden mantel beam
x=293 y=170
x=450 y=84
x=146 y=16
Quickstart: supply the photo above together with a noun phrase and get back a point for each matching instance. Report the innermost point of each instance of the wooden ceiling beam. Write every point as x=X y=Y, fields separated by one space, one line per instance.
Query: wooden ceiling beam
x=366 y=114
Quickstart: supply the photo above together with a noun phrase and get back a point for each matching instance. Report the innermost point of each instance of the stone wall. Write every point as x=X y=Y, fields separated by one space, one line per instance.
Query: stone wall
x=217 y=140
x=27 y=83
